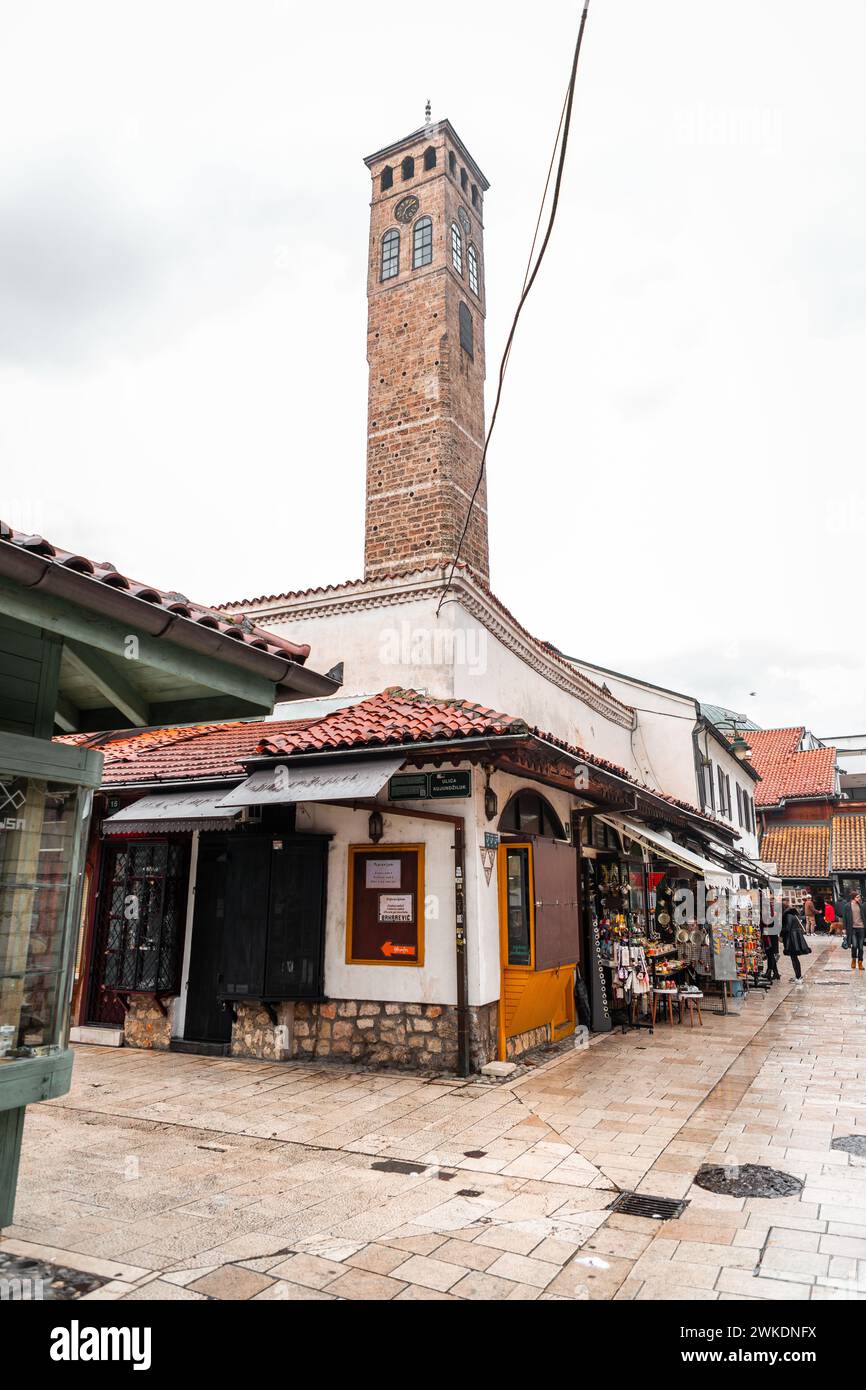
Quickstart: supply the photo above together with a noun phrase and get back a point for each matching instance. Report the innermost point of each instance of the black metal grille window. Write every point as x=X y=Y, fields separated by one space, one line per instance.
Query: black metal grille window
x=430 y=157
x=466 y=330
x=472 y=258
x=143 y=910
x=407 y=168
x=452 y=163
x=456 y=248
x=422 y=242
x=390 y=254
x=387 y=178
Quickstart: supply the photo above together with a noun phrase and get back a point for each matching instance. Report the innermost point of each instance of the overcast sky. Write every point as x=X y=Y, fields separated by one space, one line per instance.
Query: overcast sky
x=677 y=479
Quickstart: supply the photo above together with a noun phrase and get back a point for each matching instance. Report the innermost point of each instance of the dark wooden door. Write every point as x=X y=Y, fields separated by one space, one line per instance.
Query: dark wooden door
x=206 y=1020
x=296 y=922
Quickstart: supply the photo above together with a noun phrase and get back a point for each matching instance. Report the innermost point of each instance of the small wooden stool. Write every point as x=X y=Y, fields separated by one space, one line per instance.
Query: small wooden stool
x=694 y=1003
x=670 y=995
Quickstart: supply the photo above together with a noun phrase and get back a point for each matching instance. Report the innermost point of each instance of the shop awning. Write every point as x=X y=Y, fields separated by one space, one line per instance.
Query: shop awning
x=172 y=811
x=327 y=782
x=670 y=850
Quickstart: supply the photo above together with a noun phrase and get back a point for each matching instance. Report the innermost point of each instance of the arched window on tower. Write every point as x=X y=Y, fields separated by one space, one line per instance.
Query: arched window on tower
x=430 y=157
x=464 y=180
x=452 y=162
x=390 y=262
x=387 y=178
x=422 y=242
x=475 y=195
x=407 y=168
x=466 y=341
x=472 y=260
x=456 y=248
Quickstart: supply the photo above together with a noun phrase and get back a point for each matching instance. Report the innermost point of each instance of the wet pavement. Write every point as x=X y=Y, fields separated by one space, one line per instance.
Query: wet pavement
x=179 y=1177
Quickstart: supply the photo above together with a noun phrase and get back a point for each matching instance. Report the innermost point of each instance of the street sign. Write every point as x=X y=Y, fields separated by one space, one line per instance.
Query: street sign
x=409 y=786
x=446 y=784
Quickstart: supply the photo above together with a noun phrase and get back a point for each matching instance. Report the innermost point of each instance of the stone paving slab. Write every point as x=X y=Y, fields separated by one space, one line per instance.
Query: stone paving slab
x=175 y=1176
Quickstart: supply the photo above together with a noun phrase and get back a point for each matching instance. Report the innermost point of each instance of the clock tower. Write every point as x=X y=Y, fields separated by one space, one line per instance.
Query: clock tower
x=425 y=350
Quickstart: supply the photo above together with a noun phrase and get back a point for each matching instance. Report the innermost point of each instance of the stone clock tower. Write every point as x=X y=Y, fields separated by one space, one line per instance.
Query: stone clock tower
x=425 y=349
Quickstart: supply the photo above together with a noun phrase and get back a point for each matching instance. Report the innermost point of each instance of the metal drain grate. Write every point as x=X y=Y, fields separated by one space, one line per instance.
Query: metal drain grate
x=747 y=1180
x=653 y=1208
x=851 y=1144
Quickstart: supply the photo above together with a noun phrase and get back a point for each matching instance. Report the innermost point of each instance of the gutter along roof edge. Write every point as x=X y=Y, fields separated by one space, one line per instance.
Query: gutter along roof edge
x=42 y=574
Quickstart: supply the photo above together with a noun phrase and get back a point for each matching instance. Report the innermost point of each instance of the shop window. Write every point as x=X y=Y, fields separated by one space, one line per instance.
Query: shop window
x=739 y=806
x=456 y=248
x=466 y=339
x=390 y=260
x=528 y=813
x=472 y=260
x=143 y=910
x=385 y=910
x=430 y=157
x=386 y=179
x=721 y=780
x=38 y=851
x=422 y=242
x=518 y=900
x=407 y=168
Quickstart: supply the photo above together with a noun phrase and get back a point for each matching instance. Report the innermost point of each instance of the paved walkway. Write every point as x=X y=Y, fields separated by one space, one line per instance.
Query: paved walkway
x=190 y=1177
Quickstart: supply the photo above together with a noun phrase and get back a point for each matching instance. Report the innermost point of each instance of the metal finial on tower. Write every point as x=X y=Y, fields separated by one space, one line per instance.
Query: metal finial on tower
x=427 y=112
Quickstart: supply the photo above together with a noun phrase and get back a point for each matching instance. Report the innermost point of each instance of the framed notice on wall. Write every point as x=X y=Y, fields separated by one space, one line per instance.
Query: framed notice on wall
x=385 y=910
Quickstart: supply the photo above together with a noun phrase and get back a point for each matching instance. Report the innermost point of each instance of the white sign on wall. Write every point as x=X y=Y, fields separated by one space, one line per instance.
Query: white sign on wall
x=396 y=907
x=383 y=873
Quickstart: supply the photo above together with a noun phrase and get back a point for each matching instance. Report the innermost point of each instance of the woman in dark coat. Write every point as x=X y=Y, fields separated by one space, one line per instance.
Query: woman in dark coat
x=794 y=943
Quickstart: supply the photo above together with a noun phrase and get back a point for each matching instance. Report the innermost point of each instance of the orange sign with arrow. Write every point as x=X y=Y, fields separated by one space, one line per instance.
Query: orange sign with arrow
x=391 y=948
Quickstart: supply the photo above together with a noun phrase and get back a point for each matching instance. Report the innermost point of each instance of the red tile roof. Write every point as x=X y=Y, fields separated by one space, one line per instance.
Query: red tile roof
x=849 y=844
x=786 y=773
x=392 y=718
x=799 y=851
x=104 y=572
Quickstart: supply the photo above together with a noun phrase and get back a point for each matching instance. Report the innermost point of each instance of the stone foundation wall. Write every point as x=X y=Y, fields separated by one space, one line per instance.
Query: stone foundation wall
x=525 y=1042
x=418 y=1036
x=254 y=1035
x=145 y=1025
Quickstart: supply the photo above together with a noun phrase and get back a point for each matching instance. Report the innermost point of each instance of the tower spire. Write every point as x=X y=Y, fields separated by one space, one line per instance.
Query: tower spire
x=428 y=112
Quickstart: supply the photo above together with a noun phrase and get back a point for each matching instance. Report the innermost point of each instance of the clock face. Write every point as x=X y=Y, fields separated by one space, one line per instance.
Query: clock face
x=406 y=209
x=464 y=219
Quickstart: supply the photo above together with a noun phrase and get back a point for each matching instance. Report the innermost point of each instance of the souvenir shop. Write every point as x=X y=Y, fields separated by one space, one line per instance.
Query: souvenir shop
x=667 y=931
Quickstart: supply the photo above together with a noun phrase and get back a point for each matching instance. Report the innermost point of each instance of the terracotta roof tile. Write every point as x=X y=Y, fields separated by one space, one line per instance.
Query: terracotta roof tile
x=392 y=718
x=800 y=851
x=238 y=627
x=785 y=772
x=849 y=843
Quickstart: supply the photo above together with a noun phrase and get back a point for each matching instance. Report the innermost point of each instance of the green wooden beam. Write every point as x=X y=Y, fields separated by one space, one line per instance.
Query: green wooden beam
x=11 y=1130
x=66 y=716
x=118 y=691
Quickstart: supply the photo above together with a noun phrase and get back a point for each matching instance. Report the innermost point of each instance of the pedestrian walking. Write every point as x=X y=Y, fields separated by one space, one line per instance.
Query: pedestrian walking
x=794 y=943
x=854 y=929
x=771 y=949
x=809 y=913
x=829 y=918
x=820 y=907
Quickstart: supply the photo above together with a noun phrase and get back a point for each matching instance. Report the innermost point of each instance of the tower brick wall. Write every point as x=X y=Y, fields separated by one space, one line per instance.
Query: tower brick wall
x=426 y=383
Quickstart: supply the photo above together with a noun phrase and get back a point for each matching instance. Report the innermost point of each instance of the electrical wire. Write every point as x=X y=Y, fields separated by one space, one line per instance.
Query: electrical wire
x=529 y=281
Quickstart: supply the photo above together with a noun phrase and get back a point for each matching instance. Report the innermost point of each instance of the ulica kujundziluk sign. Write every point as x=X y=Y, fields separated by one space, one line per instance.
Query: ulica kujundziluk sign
x=430 y=786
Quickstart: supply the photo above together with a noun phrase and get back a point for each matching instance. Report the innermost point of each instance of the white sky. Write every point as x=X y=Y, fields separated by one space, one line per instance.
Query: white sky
x=676 y=483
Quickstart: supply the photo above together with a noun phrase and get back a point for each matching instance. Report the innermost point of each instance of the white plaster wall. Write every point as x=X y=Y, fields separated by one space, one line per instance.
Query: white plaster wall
x=451 y=656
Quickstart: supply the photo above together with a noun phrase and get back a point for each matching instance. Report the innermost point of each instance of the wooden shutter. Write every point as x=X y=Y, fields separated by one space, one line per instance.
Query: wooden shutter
x=557 y=922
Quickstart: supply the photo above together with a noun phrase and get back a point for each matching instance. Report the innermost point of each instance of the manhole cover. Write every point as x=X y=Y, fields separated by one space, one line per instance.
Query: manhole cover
x=748 y=1180
x=851 y=1144
x=653 y=1208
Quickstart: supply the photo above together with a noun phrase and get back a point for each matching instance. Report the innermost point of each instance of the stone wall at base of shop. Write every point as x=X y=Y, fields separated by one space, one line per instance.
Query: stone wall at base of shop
x=145 y=1024
x=417 y=1036
x=525 y=1042
x=255 y=1035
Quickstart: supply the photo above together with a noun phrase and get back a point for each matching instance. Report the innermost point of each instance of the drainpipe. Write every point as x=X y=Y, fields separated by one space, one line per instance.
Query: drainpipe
x=464 y=1059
